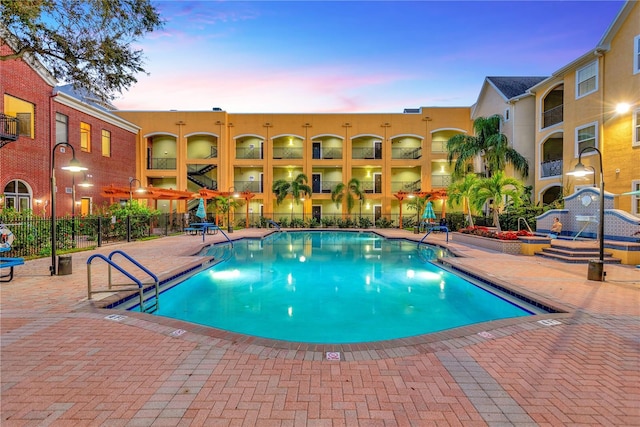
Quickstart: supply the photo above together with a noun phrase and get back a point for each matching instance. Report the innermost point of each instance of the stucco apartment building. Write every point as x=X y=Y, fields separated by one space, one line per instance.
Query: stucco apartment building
x=578 y=107
x=547 y=119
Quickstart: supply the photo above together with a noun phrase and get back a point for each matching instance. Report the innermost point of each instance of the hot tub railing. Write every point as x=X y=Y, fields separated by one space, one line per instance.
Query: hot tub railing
x=438 y=228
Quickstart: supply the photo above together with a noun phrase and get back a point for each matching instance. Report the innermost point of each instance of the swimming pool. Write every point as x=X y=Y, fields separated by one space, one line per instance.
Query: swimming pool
x=331 y=288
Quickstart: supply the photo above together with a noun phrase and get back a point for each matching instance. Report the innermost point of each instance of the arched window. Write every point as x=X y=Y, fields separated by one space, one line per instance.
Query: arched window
x=17 y=195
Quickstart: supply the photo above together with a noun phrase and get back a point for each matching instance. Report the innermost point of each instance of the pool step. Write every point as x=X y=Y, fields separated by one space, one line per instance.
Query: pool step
x=576 y=253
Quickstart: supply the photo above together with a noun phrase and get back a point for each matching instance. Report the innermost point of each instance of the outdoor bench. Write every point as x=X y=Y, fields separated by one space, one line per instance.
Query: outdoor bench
x=9 y=263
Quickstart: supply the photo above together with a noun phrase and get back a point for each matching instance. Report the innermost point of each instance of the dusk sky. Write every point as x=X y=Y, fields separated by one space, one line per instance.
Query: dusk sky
x=359 y=56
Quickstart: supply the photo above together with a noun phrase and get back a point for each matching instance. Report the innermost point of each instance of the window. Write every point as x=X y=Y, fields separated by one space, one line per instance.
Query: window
x=636 y=128
x=106 y=143
x=636 y=55
x=635 y=199
x=506 y=115
x=85 y=137
x=23 y=111
x=586 y=137
x=587 y=79
x=17 y=196
x=62 y=128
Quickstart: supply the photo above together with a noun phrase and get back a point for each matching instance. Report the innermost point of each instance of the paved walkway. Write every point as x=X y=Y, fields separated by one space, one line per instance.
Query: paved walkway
x=64 y=363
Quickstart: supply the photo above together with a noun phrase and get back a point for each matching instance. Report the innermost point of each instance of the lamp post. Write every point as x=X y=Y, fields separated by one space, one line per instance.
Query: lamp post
x=74 y=166
x=131 y=181
x=229 y=226
x=581 y=170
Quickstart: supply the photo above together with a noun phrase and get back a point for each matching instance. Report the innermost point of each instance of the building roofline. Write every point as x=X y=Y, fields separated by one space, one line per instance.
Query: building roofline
x=76 y=104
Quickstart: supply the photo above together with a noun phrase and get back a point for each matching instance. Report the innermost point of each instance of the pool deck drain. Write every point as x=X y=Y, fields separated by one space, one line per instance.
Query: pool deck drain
x=62 y=364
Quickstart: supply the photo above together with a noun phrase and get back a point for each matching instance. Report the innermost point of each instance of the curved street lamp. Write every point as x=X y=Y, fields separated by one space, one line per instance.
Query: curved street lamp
x=73 y=166
x=139 y=190
x=581 y=170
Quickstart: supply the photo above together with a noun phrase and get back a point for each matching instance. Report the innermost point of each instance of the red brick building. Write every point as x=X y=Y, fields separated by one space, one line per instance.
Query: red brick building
x=48 y=114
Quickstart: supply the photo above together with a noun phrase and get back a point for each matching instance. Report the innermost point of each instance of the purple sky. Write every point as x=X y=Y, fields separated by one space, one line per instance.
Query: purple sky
x=359 y=56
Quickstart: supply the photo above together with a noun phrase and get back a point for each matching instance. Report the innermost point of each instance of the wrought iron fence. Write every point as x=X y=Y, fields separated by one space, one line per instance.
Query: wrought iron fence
x=32 y=235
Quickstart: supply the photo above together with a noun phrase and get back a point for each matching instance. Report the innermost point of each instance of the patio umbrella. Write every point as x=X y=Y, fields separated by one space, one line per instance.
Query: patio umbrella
x=428 y=213
x=201 y=213
x=631 y=193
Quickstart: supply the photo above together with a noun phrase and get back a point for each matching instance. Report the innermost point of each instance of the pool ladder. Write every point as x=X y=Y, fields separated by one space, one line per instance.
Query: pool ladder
x=139 y=286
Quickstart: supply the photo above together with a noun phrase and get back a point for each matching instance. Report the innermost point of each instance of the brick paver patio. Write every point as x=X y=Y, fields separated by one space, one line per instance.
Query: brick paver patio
x=64 y=363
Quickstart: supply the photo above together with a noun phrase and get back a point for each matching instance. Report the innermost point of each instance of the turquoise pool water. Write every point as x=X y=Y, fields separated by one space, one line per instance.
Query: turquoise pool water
x=331 y=287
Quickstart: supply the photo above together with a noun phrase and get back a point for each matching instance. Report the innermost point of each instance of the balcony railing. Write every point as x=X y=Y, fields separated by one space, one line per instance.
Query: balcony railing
x=168 y=163
x=553 y=116
x=551 y=168
x=406 y=153
x=408 y=186
x=248 y=153
x=440 y=181
x=253 y=186
x=365 y=153
x=328 y=153
x=370 y=187
x=8 y=129
x=287 y=153
x=324 y=186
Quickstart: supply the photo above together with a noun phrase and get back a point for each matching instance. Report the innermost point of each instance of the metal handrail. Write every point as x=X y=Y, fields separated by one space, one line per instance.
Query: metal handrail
x=139 y=288
x=525 y=222
x=274 y=224
x=437 y=227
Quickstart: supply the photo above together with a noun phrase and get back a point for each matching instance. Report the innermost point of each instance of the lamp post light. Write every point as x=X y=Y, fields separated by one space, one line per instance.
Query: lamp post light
x=139 y=190
x=581 y=170
x=229 y=226
x=74 y=166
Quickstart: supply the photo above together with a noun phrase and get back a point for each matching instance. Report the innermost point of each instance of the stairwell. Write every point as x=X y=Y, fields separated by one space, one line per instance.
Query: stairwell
x=577 y=252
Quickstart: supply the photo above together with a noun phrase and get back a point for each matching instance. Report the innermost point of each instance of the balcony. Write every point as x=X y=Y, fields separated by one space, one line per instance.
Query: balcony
x=366 y=153
x=371 y=187
x=287 y=153
x=406 y=186
x=8 y=129
x=324 y=186
x=327 y=153
x=551 y=168
x=553 y=116
x=406 y=153
x=440 y=181
x=166 y=163
x=252 y=186
x=249 y=153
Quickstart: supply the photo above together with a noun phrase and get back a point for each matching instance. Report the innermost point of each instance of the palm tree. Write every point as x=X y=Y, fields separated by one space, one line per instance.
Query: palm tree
x=347 y=192
x=487 y=142
x=297 y=188
x=461 y=191
x=222 y=204
x=497 y=188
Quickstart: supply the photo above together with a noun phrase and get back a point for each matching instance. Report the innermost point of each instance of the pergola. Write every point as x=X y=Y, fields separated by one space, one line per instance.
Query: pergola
x=114 y=193
x=245 y=195
x=433 y=195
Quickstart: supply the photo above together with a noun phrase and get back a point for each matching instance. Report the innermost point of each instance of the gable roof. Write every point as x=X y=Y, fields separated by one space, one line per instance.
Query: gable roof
x=513 y=87
x=86 y=97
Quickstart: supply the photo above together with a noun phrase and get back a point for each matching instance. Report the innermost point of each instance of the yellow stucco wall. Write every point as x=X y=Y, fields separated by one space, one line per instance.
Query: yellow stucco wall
x=166 y=131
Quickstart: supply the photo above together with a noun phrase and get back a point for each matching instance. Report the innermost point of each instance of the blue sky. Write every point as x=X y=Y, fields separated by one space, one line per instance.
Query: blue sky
x=359 y=56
